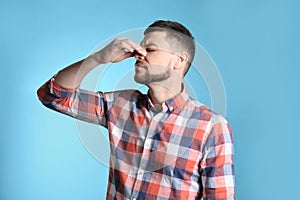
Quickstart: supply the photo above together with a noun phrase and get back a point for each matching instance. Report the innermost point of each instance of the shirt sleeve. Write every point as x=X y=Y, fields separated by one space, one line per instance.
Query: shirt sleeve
x=78 y=103
x=217 y=165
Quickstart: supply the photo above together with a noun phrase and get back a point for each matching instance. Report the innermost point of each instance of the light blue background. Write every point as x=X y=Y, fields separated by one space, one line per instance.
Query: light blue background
x=255 y=45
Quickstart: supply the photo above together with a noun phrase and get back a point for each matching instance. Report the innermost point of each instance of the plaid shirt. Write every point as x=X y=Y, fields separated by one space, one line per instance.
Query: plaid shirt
x=184 y=151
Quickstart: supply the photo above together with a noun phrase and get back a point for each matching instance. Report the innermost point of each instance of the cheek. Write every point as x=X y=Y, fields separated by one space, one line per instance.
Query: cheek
x=160 y=60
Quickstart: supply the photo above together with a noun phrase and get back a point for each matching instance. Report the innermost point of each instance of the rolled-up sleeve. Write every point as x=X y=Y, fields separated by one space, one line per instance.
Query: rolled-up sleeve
x=217 y=166
x=75 y=102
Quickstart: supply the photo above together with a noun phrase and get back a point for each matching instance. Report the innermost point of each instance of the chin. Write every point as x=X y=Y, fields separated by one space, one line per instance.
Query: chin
x=140 y=80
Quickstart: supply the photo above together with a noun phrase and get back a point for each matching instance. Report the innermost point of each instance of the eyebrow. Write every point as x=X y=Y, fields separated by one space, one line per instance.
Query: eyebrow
x=150 y=44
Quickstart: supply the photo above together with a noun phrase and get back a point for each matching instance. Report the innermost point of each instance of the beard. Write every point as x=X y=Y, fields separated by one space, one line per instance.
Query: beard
x=146 y=77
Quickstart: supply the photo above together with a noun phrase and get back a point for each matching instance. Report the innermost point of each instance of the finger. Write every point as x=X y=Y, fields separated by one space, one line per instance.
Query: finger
x=136 y=47
x=119 y=38
x=132 y=45
x=125 y=46
x=123 y=56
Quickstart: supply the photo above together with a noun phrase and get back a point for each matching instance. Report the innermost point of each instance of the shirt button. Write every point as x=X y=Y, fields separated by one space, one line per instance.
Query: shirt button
x=147 y=144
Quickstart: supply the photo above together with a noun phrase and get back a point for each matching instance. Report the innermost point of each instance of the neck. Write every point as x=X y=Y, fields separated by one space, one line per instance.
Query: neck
x=160 y=92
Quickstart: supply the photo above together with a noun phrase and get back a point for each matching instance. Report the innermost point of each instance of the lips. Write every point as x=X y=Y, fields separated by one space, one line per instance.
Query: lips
x=140 y=64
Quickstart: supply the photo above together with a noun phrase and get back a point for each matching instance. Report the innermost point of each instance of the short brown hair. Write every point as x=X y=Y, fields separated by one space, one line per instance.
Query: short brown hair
x=178 y=32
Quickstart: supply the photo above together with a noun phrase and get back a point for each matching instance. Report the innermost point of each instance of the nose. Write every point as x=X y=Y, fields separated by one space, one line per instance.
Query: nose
x=138 y=56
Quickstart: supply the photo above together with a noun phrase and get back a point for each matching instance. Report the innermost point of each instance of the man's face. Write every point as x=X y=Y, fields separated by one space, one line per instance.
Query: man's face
x=156 y=66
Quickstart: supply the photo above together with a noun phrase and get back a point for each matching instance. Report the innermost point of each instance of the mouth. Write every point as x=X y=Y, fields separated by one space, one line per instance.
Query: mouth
x=140 y=64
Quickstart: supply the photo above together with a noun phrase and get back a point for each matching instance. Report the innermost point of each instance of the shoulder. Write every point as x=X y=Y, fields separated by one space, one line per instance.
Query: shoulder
x=207 y=114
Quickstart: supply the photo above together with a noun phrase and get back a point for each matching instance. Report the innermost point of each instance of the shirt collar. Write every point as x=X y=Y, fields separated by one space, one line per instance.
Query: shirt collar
x=177 y=102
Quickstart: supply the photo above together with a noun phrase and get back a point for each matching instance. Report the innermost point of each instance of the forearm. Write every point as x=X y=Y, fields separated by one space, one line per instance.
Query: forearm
x=72 y=76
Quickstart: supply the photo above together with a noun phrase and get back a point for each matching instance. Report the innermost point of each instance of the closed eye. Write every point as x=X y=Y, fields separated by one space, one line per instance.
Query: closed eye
x=150 y=49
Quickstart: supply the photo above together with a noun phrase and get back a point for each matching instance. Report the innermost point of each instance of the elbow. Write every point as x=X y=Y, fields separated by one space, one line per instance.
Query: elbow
x=44 y=95
x=39 y=93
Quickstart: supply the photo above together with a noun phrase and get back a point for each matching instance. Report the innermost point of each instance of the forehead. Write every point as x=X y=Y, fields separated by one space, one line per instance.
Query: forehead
x=157 y=38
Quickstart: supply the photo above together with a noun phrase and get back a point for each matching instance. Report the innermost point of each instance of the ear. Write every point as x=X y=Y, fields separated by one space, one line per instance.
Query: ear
x=181 y=60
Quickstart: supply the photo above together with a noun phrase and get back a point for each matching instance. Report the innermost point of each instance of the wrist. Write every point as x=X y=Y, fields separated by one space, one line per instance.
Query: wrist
x=96 y=59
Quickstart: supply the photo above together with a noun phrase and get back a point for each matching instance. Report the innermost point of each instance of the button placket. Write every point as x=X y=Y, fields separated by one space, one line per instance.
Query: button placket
x=148 y=143
x=146 y=151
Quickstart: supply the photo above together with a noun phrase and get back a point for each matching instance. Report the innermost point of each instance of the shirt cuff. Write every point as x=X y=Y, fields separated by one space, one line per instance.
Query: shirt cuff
x=59 y=91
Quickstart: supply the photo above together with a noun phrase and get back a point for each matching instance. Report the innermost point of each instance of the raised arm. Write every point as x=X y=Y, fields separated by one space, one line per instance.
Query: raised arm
x=116 y=51
x=61 y=93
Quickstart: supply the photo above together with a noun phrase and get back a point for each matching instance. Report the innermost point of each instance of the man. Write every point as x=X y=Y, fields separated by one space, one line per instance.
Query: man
x=164 y=144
